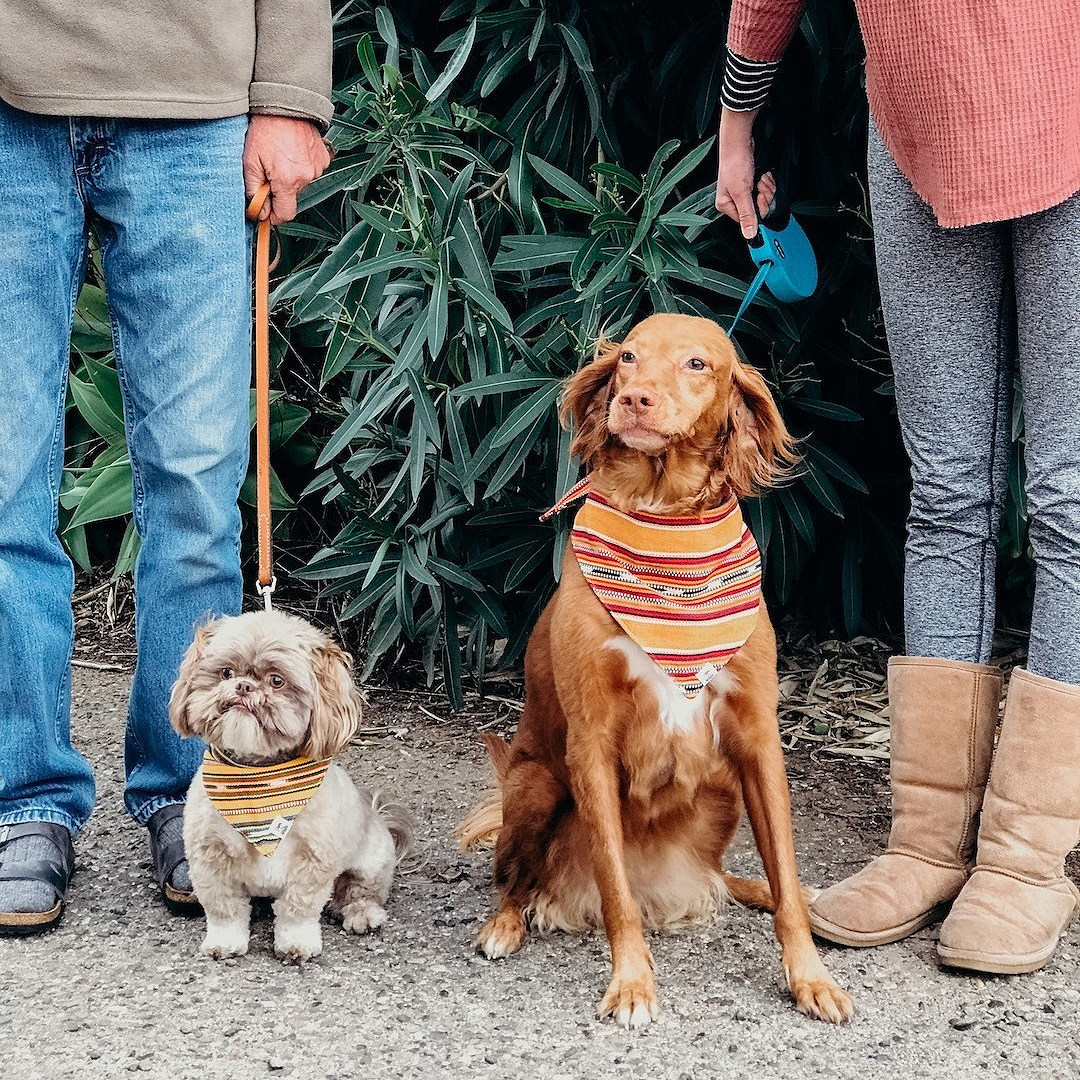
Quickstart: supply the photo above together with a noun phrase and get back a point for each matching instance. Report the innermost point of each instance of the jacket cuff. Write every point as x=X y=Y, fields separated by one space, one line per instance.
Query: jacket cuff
x=283 y=100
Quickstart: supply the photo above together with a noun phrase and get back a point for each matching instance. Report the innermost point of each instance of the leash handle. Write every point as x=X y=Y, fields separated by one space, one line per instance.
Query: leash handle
x=266 y=581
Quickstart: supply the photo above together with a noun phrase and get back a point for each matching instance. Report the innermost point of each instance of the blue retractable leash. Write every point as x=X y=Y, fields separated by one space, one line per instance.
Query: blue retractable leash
x=784 y=258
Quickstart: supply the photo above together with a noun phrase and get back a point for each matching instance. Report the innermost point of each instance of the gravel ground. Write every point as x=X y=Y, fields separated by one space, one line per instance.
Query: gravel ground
x=118 y=989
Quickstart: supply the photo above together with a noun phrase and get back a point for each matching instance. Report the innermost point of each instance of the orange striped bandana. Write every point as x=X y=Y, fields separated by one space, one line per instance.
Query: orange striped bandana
x=686 y=589
x=261 y=801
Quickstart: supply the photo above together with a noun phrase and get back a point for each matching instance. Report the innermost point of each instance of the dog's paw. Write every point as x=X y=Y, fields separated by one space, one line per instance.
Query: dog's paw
x=502 y=935
x=822 y=999
x=630 y=1002
x=221 y=943
x=362 y=916
x=297 y=943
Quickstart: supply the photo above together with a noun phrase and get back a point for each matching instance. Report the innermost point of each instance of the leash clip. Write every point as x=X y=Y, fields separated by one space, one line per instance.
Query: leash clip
x=265 y=591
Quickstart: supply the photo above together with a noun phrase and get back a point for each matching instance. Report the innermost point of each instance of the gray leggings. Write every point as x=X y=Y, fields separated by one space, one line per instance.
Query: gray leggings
x=963 y=308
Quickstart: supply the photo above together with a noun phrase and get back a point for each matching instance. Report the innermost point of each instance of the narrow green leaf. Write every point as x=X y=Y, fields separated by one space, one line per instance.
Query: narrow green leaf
x=425 y=407
x=515 y=456
x=487 y=302
x=384 y=24
x=383 y=392
x=129 y=551
x=537 y=252
x=437 y=312
x=821 y=487
x=828 y=409
x=95 y=410
x=365 y=53
x=567 y=185
x=665 y=186
x=416 y=459
x=523 y=415
x=455 y=574
x=455 y=66
x=452 y=651
x=500 y=383
x=833 y=464
x=503 y=66
x=416 y=569
x=385 y=630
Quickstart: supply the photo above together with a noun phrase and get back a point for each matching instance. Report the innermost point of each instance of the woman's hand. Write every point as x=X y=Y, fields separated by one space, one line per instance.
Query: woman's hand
x=735 y=173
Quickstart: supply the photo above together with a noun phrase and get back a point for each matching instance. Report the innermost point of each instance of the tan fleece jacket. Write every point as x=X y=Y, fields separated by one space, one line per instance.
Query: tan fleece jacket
x=174 y=59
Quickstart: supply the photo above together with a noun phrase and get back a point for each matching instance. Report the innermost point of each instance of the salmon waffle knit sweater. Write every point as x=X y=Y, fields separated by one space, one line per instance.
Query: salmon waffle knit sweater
x=978 y=102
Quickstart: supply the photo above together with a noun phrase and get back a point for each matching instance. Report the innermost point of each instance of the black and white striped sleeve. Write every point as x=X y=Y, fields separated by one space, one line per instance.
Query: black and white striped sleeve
x=746 y=82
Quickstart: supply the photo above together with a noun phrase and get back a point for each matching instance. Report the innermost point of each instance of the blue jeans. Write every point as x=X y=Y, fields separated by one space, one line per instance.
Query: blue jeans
x=964 y=309
x=167 y=201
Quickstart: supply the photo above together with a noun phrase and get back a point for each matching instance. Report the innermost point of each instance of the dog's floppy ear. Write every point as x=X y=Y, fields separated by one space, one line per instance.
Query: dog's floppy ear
x=586 y=398
x=757 y=450
x=179 y=713
x=336 y=712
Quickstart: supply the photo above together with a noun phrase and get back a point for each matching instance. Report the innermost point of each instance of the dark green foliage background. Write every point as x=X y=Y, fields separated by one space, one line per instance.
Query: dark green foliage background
x=512 y=179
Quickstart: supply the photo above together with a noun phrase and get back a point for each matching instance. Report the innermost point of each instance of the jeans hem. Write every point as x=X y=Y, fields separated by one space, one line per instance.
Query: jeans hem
x=144 y=813
x=53 y=817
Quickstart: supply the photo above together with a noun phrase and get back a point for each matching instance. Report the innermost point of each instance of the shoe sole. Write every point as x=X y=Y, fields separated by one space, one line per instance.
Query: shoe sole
x=995 y=965
x=857 y=939
x=180 y=903
x=25 y=923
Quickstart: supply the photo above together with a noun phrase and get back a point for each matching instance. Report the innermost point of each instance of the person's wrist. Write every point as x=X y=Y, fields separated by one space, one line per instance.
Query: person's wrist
x=737 y=122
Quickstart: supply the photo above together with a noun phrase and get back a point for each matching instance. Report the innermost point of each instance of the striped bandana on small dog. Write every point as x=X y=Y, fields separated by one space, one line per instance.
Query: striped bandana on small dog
x=261 y=801
x=686 y=589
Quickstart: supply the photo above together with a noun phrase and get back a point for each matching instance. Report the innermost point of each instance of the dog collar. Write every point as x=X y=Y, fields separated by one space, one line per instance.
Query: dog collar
x=686 y=589
x=261 y=801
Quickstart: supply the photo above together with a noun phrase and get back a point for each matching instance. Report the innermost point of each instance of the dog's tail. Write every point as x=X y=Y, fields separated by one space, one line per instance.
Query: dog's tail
x=398 y=819
x=481 y=827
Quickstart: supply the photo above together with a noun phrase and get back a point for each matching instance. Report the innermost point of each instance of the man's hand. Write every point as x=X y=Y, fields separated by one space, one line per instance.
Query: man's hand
x=735 y=173
x=289 y=153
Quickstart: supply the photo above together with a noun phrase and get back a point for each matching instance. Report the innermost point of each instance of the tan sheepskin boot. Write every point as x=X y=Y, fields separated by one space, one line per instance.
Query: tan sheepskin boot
x=1012 y=911
x=943 y=717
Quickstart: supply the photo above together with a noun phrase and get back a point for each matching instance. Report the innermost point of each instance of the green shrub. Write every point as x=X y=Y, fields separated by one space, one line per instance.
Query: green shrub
x=500 y=198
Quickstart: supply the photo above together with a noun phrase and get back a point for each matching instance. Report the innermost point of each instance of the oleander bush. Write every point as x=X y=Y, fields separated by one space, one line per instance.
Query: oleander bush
x=511 y=182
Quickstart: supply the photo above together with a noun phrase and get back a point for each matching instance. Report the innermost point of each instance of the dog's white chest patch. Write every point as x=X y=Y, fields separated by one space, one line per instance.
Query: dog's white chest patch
x=677 y=713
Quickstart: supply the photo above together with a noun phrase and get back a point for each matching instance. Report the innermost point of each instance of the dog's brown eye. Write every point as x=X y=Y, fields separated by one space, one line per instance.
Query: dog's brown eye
x=227 y=673
x=695 y=364
x=277 y=682
x=627 y=357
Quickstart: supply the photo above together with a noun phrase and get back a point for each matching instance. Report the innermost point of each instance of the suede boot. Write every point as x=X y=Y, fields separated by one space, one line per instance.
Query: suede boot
x=943 y=717
x=1017 y=902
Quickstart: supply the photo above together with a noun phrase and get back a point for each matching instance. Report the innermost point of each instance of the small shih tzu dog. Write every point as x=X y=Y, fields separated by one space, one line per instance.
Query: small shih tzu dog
x=268 y=814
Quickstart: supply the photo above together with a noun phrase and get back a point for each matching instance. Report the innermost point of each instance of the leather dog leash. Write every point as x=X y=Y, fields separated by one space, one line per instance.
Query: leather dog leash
x=266 y=580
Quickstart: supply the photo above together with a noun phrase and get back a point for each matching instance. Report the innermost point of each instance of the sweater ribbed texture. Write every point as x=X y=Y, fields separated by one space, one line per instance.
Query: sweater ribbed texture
x=977 y=102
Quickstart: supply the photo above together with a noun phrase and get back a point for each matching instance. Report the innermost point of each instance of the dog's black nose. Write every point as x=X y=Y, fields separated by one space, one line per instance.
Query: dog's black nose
x=245 y=686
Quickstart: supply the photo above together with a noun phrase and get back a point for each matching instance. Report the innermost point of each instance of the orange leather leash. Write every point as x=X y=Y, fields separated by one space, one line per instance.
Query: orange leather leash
x=266 y=582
